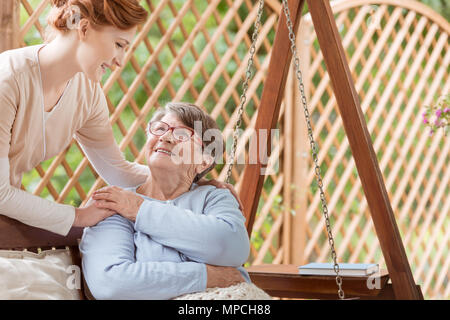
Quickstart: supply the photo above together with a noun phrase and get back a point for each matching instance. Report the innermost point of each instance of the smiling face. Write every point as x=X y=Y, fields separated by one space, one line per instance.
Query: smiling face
x=166 y=154
x=101 y=48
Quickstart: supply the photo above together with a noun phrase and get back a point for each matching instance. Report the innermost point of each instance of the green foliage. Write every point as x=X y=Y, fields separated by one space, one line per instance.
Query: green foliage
x=440 y=6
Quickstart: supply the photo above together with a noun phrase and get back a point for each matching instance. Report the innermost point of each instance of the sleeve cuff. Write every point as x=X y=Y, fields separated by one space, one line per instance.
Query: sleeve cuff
x=65 y=223
x=204 y=281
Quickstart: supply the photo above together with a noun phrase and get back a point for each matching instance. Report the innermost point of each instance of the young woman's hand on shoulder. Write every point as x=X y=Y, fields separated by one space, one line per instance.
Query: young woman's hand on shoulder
x=90 y=215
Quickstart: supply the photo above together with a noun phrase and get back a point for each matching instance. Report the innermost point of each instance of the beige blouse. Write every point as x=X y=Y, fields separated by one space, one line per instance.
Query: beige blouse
x=29 y=135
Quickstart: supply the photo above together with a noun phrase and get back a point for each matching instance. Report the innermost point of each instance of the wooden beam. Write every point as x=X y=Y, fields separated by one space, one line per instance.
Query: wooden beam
x=17 y=235
x=362 y=149
x=269 y=110
x=9 y=24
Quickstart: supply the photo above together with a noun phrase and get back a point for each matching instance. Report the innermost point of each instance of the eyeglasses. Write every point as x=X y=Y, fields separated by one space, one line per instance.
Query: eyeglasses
x=158 y=128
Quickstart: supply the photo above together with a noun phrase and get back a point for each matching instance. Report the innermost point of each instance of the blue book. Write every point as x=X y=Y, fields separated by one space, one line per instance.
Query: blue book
x=345 y=269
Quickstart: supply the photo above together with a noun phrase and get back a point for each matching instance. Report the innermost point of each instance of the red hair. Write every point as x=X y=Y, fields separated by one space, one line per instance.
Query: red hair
x=122 y=14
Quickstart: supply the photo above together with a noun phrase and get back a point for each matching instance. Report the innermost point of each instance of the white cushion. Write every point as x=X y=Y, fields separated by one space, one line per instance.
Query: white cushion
x=49 y=275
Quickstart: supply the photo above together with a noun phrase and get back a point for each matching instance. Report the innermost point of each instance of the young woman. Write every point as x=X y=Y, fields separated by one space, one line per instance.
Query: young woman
x=50 y=93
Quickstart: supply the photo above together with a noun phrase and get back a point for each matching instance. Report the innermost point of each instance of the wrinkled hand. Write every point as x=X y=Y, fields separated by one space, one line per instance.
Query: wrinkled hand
x=222 y=277
x=222 y=185
x=125 y=203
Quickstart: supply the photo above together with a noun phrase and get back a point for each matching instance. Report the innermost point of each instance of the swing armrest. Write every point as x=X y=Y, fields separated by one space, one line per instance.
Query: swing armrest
x=285 y=281
x=17 y=235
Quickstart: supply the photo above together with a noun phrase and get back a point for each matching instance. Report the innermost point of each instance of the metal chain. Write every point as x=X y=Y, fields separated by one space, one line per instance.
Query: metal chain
x=243 y=98
x=313 y=145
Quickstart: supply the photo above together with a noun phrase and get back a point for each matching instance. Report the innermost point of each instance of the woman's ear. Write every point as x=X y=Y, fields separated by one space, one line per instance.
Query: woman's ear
x=83 y=28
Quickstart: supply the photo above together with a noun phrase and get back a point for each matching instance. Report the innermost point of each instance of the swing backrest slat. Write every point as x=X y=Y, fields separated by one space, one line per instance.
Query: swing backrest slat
x=16 y=235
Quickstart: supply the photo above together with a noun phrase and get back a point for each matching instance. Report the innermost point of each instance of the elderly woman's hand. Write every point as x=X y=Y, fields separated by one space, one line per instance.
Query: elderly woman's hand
x=223 y=185
x=222 y=277
x=125 y=203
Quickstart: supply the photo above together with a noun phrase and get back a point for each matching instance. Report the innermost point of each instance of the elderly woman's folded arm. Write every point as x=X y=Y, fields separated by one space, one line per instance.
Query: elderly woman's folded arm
x=112 y=272
x=217 y=237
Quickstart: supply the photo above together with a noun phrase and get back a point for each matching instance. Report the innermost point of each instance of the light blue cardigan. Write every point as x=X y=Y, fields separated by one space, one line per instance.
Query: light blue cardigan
x=163 y=254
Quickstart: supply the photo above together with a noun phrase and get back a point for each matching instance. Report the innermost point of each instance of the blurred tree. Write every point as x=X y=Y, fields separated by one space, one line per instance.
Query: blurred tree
x=440 y=6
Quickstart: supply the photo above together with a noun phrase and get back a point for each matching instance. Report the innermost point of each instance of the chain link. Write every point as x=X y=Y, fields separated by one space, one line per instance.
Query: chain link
x=243 y=98
x=313 y=146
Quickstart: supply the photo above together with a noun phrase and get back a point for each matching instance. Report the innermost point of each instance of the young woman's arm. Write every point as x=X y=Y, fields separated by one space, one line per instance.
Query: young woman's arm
x=30 y=209
x=14 y=202
x=97 y=141
x=21 y=205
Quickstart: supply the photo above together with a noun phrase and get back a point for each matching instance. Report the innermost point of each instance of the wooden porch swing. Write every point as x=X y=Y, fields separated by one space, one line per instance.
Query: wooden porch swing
x=283 y=280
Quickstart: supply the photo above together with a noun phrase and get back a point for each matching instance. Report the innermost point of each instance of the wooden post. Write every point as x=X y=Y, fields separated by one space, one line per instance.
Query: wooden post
x=269 y=109
x=302 y=152
x=9 y=24
x=288 y=127
x=362 y=150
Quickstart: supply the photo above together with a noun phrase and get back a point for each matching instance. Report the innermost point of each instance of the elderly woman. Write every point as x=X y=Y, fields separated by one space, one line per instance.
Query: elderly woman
x=170 y=234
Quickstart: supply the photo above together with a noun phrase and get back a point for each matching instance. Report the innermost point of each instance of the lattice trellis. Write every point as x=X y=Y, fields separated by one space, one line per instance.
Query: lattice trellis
x=196 y=51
